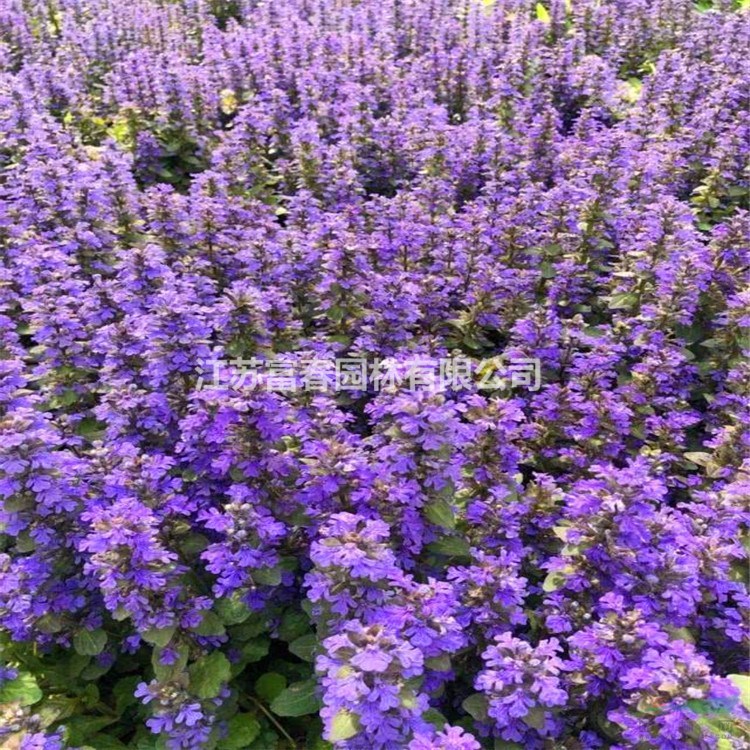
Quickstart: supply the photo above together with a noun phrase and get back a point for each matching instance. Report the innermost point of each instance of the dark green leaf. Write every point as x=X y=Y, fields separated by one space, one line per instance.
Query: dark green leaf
x=440 y=512
x=158 y=636
x=304 y=647
x=535 y=718
x=267 y=576
x=268 y=740
x=242 y=730
x=232 y=611
x=255 y=649
x=106 y=742
x=451 y=546
x=165 y=672
x=476 y=706
x=123 y=692
x=211 y=625
x=270 y=685
x=298 y=699
x=90 y=642
x=435 y=718
x=294 y=623
x=439 y=663
x=80 y=728
x=208 y=675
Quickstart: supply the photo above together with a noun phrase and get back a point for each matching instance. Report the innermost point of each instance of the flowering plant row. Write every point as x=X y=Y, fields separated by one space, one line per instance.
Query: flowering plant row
x=557 y=567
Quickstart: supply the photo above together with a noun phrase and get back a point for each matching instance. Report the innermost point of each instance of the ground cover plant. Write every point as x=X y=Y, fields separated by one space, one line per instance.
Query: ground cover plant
x=200 y=550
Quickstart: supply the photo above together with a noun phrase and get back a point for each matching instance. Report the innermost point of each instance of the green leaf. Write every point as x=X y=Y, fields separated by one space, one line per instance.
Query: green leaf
x=556 y=579
x=255 y=649
x=89 y=696
x=232 y=611
x=243 y=729
x=24 y=542
x=435 y=718
x=247 y=630
x=344 y=726
x=50 y=623
x=158 y=636
x=549 y=271
x=123 y=692
x=270 y=685
x=81 y=728
x=304 y=647
x=90 y=428
x=439 y=663
x=299 y=699
x=268 y=740
x=294 y=623
x=542 y=14
x=67 y=398
x=452 y=546
x=622 y=301
x=54 y=709
x=90 y=642
x=94 y=671
x=65 y=671
x=476 y=706
x=193 y=545
x=210 y=625
x=683 y=634
x=535 y=718
x=315 y=742
x=440 y=512
x=22 y=690
x=166 y=672
x=145 y=741
x=742 y=681
x=267 y=576
x=208 y=675
x=106 y=742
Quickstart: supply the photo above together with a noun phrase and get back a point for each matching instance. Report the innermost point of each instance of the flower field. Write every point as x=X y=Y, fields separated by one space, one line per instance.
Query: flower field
x=374 y=374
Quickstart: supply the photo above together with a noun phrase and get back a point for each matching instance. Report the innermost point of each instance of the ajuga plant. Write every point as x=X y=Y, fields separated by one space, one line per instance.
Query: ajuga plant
x=205 y=542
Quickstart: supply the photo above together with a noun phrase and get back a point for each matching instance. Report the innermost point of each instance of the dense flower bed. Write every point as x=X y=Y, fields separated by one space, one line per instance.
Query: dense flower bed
x=191 y=564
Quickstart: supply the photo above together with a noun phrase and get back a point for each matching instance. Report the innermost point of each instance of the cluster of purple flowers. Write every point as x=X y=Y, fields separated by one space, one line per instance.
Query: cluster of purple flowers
x=193 y=567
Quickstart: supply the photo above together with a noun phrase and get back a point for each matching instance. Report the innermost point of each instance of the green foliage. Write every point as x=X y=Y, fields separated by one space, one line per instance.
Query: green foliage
x=23 y=690
x=208 y=674
x=90 y=642
x=476 y=706
x=158 y=636
x=270 y=685
x=440 y=512
x=242 y=730
x=298 y=699
x=304 y=647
